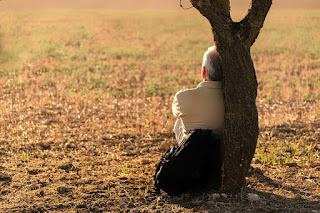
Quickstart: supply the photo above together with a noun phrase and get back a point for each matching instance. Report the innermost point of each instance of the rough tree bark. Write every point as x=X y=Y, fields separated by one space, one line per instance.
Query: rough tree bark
x=233 y=41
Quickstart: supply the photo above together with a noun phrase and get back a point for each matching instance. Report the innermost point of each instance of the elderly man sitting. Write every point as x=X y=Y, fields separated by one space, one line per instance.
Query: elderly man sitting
x=201 y=107
x=200 y=114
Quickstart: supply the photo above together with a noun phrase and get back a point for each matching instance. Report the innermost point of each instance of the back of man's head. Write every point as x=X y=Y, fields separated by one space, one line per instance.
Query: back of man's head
x=212 y=64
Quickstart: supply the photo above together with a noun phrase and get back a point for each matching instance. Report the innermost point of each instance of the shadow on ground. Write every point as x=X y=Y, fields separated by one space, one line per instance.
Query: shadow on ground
x=268 y=202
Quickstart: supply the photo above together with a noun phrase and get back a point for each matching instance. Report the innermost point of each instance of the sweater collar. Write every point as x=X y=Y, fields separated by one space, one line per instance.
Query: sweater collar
x=211 y=84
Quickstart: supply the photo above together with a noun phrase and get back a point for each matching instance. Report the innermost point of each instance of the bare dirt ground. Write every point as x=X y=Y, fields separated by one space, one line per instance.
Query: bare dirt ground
x=71 y=155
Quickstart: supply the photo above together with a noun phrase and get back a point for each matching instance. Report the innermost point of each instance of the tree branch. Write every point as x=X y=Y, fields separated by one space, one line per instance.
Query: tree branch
x=218 y=14
x=253 y=22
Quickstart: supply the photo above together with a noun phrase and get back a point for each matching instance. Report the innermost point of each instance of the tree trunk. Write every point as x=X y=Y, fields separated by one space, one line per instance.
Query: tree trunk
x=233 y=41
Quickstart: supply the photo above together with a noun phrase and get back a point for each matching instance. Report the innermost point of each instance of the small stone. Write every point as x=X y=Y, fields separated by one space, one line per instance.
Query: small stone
x=66 y=166
x=223 y=195
x=272 y=197
x=253 y=197
x=214 y=196
x=63 y=189
x=315 y=211
x=145 y=161
x=164 y=146
x=298 y=197
x=4 y=177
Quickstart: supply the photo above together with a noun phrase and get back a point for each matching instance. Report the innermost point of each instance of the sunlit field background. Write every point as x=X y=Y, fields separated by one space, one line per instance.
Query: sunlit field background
x=86 y=98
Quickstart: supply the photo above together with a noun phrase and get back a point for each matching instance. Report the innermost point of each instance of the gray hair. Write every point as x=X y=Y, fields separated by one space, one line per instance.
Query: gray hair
x=212 y=63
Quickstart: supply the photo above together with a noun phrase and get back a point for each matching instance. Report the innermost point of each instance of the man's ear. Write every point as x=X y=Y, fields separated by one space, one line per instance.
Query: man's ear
x=203 y=72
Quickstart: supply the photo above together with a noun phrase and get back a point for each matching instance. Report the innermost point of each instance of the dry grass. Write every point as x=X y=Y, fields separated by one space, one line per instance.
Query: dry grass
x=86 y=101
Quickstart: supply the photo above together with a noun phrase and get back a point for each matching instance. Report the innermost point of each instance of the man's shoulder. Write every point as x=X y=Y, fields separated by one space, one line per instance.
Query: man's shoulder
x=184 y=93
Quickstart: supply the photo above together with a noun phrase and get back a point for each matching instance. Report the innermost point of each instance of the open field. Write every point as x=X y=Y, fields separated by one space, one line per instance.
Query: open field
x=86 y=102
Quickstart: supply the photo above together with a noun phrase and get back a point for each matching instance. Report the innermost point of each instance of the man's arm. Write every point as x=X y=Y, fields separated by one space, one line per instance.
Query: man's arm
x=177 y=127
x=176 y=107
x=176 y=113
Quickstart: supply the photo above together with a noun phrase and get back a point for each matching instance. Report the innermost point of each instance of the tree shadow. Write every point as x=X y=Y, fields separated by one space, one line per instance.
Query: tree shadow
x=276 y=184
x=268 y=202
x=298 y=128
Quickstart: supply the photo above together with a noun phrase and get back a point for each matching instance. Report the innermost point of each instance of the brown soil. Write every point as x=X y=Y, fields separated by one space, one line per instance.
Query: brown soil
x=63 y=154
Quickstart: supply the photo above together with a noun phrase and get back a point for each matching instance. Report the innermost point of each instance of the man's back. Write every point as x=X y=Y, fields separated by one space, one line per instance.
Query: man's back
x=201 y=107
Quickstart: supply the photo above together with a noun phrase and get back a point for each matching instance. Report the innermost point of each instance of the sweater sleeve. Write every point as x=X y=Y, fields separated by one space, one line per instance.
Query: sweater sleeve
x=176 y=107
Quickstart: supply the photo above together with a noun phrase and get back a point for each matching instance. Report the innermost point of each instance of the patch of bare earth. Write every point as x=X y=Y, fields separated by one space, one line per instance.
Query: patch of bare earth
x=98 y=154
